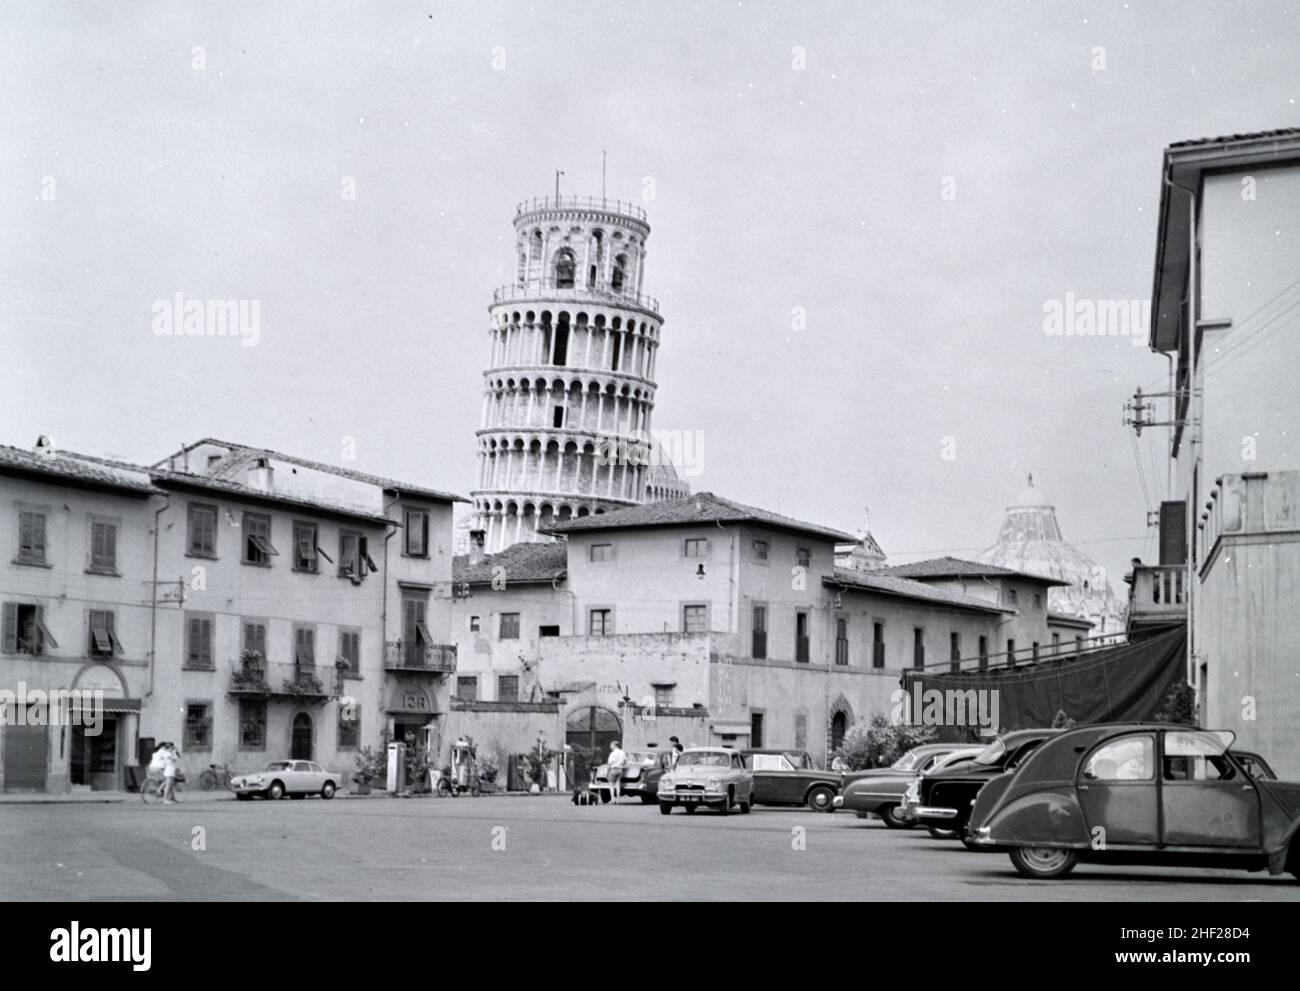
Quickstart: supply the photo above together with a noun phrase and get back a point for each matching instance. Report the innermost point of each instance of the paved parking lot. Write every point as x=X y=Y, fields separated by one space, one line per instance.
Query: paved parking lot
x=526 y=848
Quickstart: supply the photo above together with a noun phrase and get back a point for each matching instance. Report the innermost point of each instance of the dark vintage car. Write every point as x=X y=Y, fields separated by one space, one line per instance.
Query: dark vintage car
x=640 y=775
x=942 y=801
x=880 y=791
x=789 y=777
x=1135 y=793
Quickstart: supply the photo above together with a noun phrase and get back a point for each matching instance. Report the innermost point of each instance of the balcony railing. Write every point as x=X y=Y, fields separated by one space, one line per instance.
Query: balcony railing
x=287 y=681
x=545 y=288
x=1158 y=593
x=415 y=655
x=580 y=203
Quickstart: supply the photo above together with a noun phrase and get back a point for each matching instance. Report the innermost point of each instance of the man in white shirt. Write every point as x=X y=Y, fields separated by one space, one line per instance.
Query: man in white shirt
x=171 y=764
x=617 y=761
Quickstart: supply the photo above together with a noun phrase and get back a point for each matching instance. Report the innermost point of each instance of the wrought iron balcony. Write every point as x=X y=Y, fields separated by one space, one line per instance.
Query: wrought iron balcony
x=580 y=203
x=417 y=656
x=284 y=681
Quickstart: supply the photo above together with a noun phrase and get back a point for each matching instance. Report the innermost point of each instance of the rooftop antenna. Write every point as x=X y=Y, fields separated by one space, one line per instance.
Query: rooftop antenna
x=558 y=173
x=603 y=157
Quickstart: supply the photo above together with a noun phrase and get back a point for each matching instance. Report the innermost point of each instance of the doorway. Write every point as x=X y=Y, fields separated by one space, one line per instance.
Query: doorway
x=94 y=757
x=589 y=731
x=839 y=725
x=300 y=742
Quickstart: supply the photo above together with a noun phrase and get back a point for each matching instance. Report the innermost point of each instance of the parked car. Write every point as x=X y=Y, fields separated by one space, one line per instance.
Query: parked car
x=942 y=800
x=640 y=776
x=711 y=776
x=789 y=777
x=1135 y=793
x=918 y=760
x=295 y=778
x=882 y=793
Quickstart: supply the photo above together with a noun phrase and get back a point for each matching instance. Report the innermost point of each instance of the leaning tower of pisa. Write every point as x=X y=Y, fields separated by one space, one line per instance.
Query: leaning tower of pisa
x=570 y=385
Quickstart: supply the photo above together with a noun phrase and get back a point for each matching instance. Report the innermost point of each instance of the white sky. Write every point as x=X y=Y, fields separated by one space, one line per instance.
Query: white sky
x=774 y=189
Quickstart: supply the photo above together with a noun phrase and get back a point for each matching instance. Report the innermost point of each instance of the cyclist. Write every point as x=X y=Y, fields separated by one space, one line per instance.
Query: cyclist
x=171 y=764
x=157 y=763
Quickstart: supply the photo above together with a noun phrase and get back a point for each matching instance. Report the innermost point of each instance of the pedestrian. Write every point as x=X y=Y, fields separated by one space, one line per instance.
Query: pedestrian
x=157 y=762
x=171 y=764
x=677 y=748
x=617 y=761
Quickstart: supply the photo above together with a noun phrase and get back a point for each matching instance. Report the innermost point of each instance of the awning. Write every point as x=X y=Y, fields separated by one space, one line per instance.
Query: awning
x=110 y=706
x=731 y=729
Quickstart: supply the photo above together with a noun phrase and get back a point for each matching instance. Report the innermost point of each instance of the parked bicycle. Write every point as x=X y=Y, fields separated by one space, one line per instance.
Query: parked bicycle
x=216 y=776
x=152 y=789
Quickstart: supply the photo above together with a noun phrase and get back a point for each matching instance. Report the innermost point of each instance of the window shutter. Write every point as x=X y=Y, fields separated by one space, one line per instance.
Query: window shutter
x=10 y=628
x=45 y=632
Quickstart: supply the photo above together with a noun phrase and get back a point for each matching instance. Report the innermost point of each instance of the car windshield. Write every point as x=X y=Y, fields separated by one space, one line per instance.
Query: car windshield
x=279 y=765
x=909 y=761
x=642 y=757
x=992 y=753
x=689 y=759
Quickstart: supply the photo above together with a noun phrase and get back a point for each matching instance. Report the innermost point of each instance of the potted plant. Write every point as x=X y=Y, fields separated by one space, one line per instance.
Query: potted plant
x=488 y=771
x=370 y=766
x=251 y=674
x=303 y=682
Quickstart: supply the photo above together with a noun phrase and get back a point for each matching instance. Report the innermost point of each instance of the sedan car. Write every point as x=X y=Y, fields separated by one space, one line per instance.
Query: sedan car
x=712 y=776
x=640 y=775
x=942 y=800
x=295 y=778
x=883 y=793
x=1140 y=793
x=789 y=777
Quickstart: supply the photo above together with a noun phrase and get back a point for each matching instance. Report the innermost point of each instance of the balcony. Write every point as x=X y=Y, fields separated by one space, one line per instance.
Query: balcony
x=536 y=290
x=419 y=657
x=286 y=682
x=580 y=203
x=1157 y=595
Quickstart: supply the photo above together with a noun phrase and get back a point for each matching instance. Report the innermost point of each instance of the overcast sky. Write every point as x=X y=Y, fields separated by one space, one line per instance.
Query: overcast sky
x=920 y=178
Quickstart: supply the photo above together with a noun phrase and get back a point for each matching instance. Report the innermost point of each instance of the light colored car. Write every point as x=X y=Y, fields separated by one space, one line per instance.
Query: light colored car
x=295 y=778
x=711 y=776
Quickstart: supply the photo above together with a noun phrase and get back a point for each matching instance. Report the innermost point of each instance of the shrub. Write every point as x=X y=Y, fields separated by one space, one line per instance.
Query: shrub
x=1178 y=706
x=881 y=742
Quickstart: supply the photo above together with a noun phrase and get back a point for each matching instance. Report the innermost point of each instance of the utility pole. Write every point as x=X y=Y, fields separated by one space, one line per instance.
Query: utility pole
x=558 y=173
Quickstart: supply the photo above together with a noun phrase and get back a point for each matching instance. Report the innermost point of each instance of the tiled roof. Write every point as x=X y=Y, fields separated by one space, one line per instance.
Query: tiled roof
x=1062 y=617
x=79 y=469
x=242 y=454
x=522 y=563
x=952 y=567
x=1281 y=133
x=221 y=485
x=886 y=584
x=703 y=507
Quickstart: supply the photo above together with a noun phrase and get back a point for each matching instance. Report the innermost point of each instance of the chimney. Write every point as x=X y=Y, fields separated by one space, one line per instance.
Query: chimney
x=260 y=475
x=44 y=447
x=477 y=539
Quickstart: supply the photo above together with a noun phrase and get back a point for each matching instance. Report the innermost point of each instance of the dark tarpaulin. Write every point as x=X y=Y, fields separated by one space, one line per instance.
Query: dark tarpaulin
x=1109 y=684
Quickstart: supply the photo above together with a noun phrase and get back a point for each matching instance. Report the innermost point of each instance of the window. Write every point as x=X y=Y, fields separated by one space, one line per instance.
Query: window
x=663 y=697
x=756 y=730
x=600 y=622
x=103 y=546
x=759 y=632
x=842 y=642
x=1011 y=651
x=695 y=619
x=918 y=647
x=416 y=543
x=31 y=537
x=202 y=530
x=103 y=638
x=349 y=732
x=984 y=653
x=696 y=547
x=557 y=417
x=1130 y=758
x=355 y=561
x=508 y=688
x=257 y=539
x=1078 y=642
x=198 y=726
x=954 y=652
x=305 y=537
x=1056 y=642
x=350 y=653
x=602 y=552
x=24 y=630
x=252 y=724
x=877 y=645
x=304 y=646
x=509 y=629
x=1196 y=756
x=198 y=643
x=801 y=637
x=1012 y=596
x=1035 y=649
x=1038 y=600
x=255 y=638
x=803 y=557
x=474 y=624
x=467 y=688
x=548 y=631
x=760 y=550
x=564 y=268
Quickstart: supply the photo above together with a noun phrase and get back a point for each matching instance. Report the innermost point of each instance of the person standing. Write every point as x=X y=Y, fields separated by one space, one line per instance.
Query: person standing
x=171 y=764
x=617 y=761
x=677 y=748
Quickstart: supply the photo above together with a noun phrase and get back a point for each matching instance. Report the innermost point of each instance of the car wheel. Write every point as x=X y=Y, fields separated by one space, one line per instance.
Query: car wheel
x=647 y=799
x=327 y=790
x=1043 y=863
x=820 y=799
x=942 y=834
x=892 y=815
x=665 y=808
x=690 y=808
x=725 y=807
x=745 y=805
x=276 y=791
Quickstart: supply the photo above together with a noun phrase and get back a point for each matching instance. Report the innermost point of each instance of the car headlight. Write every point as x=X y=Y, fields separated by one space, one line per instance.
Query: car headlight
x=666 y=783
x=714 y=784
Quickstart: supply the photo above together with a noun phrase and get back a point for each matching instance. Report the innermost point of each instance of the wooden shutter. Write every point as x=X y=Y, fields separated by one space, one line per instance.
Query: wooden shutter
x=9 y=628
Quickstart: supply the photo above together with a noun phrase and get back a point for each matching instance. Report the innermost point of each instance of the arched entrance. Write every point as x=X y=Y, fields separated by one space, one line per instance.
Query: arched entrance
x=839 y=726
x=300 y=742
x=589 y=731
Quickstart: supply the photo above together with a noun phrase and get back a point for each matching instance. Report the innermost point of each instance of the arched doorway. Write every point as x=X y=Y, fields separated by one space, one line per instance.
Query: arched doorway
x=300 y=743
x=589 y=731
x=839 y=726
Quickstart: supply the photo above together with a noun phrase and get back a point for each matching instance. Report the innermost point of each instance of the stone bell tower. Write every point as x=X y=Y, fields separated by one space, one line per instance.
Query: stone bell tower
x=570 y=384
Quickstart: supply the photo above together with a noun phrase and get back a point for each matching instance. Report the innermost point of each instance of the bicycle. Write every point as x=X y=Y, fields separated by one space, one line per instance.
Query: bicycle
x=152 y=789
x=216 y=775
